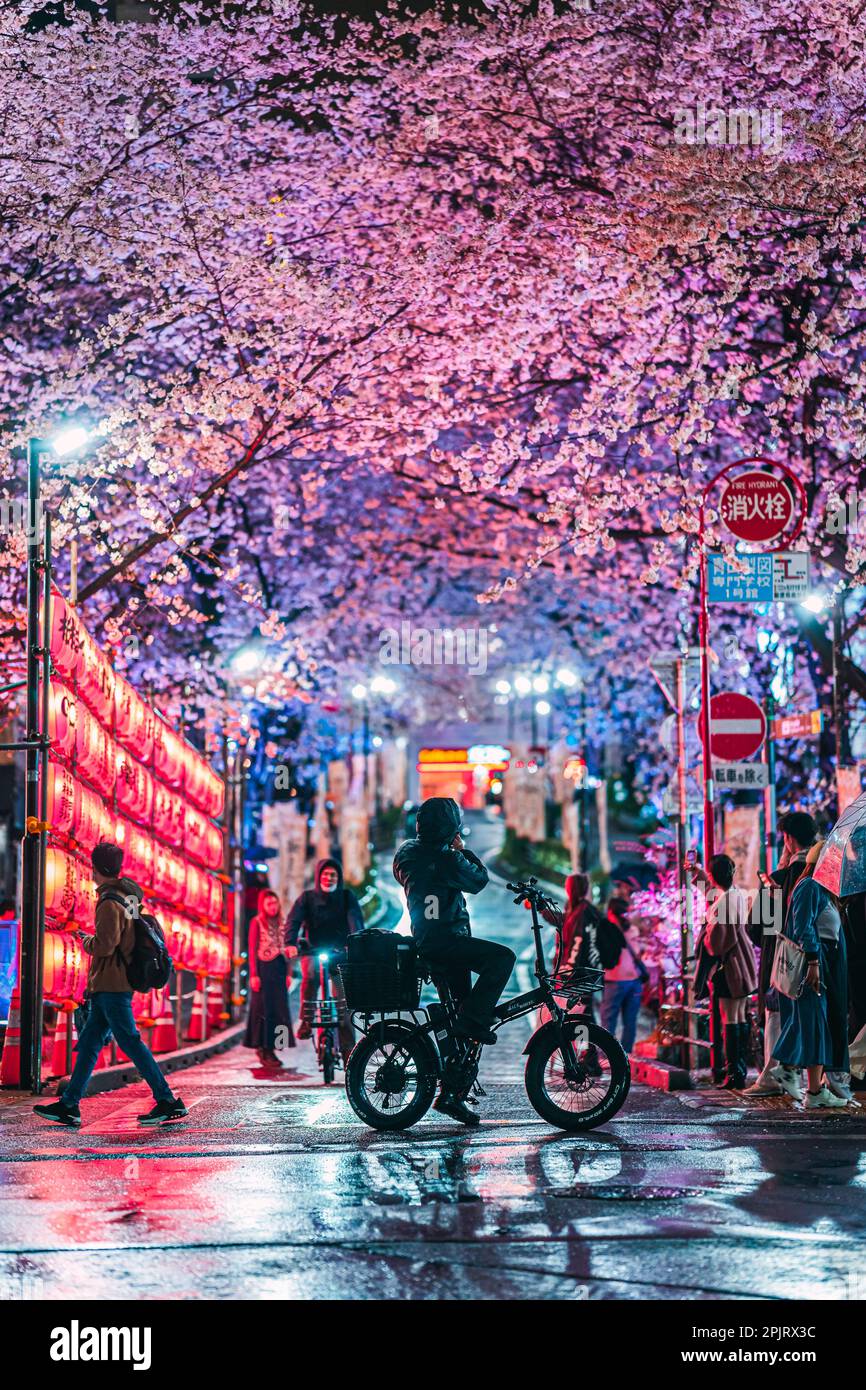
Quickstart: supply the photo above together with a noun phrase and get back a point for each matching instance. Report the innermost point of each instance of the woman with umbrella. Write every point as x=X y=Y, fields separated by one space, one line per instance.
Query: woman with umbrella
x=815 y=1026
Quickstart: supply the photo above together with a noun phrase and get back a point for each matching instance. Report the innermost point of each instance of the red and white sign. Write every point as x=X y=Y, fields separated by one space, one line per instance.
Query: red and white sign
x=757 y=506
x=737 y=727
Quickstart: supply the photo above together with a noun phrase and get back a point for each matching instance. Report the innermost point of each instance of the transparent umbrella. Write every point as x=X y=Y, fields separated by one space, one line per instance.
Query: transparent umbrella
x=842 y=865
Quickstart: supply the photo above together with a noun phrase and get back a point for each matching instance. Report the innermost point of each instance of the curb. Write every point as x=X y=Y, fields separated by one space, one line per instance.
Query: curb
x=662 y=1076
x=113 y=1078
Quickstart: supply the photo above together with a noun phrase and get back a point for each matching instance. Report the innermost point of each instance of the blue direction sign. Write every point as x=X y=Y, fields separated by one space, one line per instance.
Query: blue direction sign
x=752 y=584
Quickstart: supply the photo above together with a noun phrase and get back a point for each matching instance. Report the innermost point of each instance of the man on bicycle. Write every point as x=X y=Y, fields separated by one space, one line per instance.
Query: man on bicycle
x=435 y=869
x=324 y=917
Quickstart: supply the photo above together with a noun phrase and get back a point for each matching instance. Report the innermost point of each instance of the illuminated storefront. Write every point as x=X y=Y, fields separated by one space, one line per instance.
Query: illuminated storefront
x=467 y=774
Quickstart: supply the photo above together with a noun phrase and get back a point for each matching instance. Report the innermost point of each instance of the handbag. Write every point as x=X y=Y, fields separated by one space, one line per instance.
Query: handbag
x=788 y=974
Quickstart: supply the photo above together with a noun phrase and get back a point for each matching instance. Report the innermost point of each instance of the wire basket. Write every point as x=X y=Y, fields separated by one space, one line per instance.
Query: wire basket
x=578 y=982
x=380 y=988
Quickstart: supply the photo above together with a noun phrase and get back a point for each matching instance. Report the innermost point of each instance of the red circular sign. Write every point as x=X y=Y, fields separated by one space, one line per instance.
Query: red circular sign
x=737 y=726
x=757 y=506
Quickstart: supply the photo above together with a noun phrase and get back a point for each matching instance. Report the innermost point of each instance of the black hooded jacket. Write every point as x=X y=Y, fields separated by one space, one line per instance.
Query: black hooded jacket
x=325 y=920
x=434 y=876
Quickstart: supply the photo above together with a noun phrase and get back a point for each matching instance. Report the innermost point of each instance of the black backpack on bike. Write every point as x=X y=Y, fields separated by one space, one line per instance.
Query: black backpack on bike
x=149 y=966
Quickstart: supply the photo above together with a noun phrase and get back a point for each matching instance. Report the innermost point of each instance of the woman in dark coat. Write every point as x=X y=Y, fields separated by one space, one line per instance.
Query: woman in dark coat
x=735 y=977
x=815 y=1027
x=269 y=1024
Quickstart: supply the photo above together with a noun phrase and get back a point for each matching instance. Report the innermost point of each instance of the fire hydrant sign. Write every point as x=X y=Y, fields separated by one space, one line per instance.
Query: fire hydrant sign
x=756 y=506
x=737 y=726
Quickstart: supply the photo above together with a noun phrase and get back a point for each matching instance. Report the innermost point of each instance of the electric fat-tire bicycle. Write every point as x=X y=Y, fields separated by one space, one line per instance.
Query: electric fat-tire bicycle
x=577 y=1074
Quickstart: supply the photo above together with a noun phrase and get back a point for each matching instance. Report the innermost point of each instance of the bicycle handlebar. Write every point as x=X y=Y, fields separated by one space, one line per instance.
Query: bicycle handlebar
x=527 y=891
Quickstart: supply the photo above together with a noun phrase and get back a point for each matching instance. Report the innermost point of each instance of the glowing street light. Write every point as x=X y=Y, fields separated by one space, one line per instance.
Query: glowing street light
x=540 y=685
x=815 y=603
x=70 y=439
x=503 y=687
x=246 y=659
x=566 y=677
x=382 y=685
x=522 y=684
x=542 y=707
x=359 y=691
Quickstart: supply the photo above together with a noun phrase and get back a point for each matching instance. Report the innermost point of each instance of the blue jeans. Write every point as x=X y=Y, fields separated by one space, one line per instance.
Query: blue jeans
x=111 y=1015
x=622 y=997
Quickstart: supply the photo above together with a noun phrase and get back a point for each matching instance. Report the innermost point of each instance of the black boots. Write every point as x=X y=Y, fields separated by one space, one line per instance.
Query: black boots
x=452 y=1105
x=736 y=1044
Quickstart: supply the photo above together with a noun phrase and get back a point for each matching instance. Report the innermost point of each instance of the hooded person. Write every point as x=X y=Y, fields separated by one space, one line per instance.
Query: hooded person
x=269 y=1023
x=109 y=996
x=323 y=918
x=435 y=869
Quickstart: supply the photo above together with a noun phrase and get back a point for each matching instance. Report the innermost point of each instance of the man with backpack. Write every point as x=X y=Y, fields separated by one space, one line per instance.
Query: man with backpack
x=625 y=973
x=126 y=943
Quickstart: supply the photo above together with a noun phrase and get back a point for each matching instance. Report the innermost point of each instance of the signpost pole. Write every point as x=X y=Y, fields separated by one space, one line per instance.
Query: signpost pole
x=704 y=643
x=683 y=884
x=768 y=756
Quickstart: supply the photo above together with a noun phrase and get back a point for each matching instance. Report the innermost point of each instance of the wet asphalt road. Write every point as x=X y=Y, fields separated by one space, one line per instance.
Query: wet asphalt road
x=272 y=1189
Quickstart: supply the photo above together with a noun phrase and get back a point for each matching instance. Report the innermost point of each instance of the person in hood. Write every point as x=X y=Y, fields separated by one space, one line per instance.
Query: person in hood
x=270 y=1019
x=109 y=996
x=435 y=869
x=324 y=917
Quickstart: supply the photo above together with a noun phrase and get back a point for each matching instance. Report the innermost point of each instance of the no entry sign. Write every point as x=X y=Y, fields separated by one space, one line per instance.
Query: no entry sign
x=757 y=506
x=737 y=727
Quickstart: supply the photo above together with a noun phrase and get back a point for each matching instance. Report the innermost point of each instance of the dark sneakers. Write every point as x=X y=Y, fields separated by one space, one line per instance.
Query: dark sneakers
x=163 y=1112
x=457 y=1109
x=61 y=1114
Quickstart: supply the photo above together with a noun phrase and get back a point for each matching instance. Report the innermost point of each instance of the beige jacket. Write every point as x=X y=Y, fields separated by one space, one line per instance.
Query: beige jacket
x=111 y=944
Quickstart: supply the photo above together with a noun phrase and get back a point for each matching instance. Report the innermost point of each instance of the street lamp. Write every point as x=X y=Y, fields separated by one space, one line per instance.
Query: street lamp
x=68 y=439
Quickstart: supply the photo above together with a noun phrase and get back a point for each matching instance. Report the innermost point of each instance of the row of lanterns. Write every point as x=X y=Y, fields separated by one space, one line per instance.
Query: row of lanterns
x=106 y=702
x=70 y=893
x=76 y=810
x=192 y=947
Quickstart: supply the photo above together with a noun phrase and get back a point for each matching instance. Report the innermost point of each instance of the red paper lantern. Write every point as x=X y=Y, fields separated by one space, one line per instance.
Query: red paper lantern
x=138 y=851
x=96 y=682
x=220 y=956
x=62 y=721
x=91 y=818
x=169 y=755
x=64 y=884
x=64 y=967
x=135 y=788
x=169 y=815
x=64 y=800
x=135 y=721
x=169 y=875
x=68 y=639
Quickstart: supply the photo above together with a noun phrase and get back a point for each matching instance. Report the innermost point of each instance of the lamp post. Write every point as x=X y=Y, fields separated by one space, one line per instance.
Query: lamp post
x=69 y=440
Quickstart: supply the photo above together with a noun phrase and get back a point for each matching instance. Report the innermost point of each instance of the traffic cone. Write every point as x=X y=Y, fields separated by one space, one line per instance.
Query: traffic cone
x=59 y=1064
x=214 y=1007
x=10 y=1062
x=195 y=1033
x=164 y=1035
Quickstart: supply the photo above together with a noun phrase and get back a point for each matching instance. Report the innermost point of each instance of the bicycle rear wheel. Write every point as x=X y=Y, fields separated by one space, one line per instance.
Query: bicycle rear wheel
x=598 y=1092
x=391 y=1078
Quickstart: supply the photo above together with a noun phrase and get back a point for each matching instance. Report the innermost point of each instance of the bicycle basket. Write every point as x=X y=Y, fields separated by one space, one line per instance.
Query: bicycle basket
x=577 y=983
x=381 y=976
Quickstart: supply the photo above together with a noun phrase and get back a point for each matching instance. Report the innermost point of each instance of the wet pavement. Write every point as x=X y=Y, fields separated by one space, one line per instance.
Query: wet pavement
x=273 y=1189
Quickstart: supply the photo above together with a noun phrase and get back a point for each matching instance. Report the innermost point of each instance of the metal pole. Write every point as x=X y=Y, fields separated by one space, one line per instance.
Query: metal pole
x=683 y=886
x=768 y=756
x=30 y=975
x=704 y=642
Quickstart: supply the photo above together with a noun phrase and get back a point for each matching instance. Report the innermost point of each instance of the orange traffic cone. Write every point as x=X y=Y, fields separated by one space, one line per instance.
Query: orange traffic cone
x=195 y=1032
x=164 y=1036
x=60 y=1060
x=214 y=1007
x=10 y=1062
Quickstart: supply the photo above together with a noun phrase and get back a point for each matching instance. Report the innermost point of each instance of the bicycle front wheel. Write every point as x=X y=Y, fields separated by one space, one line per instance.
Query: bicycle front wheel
x=391 y=1078
x=595 y=1094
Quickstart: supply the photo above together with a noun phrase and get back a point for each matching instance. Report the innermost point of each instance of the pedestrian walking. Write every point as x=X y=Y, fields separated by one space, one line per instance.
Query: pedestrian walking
x=814 y=1031
x=625 y=972
x=798 y=831
x=109 y=997
x=726 y=937
x=269 y=1023
x=321 y=920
